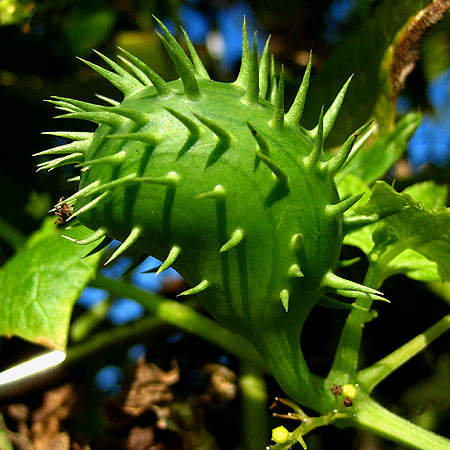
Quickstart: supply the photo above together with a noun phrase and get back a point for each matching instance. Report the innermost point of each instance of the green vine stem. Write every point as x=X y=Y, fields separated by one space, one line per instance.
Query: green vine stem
x=183 y=317
x=253 y=392
x=345 y=365
x=373 y=375
x=369 y=415
x=83 y=326
x=373 y=417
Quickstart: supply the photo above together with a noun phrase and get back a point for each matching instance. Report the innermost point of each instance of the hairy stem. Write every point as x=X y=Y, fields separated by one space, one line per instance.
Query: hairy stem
x=373 y=417
x=373 y=375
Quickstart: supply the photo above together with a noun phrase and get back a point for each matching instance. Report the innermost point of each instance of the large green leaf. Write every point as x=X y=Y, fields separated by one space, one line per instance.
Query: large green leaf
x=410 y=262
x=381 y=52
x=415 y=241
x=41 y=283
x=373 y=162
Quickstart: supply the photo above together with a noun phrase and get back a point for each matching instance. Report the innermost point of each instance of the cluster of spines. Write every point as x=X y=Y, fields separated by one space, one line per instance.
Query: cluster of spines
x=256 y=83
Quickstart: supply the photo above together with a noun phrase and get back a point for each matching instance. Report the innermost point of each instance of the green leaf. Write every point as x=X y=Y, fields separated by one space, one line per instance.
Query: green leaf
x=424 y=230
x=362 y=238
x=373 y=162
x=42 y=282
x=430 y=194
x=415 y=266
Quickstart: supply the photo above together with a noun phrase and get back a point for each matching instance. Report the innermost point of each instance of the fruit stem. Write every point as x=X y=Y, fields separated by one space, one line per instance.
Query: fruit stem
x=282 y=353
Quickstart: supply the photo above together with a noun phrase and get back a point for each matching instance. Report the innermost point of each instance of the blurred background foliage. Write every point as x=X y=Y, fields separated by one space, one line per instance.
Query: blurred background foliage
x=40 y=41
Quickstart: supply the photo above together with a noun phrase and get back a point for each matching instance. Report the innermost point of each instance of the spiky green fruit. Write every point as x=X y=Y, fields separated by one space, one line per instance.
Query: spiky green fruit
x=222 y=184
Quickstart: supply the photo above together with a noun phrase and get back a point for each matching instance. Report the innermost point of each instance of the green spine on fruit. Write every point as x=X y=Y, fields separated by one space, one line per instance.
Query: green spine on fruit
x=219 y=182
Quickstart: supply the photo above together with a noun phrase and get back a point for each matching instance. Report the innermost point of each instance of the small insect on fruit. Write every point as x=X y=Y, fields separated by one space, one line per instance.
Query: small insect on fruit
x=63 y=211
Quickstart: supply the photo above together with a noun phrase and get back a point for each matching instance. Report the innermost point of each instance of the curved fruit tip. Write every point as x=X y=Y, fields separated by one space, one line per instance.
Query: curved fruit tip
x=280 y=174
x=273 y=81
x=63 y=106
x=236 y=238
x=138 y=117
x=146 y=138
x=328 y=302
x=333 y=165
x=99 y=117
x=124 y=85
x=264 y=70
x=134 y=235
x=171 y=258
x=171 y=179
x=113 y=160
x=333 y=111
x=200 y=69
x=91 y=188
x=96 y=187
x=354 y=222
x=158 y=82
x=182 y=62
x=277 y=120
x=243 y=75
x=217 y=193
x=91 y=205
x=58 y=162
x=131 y=79
x=223 y=135
x=312 y=160
x=72 y=135
x=135 y=70
x=252 y=87
x=196 y=289
x=193 y=128
x=101 y=246
x=331 y=211
x=78 y=146
x=359 y=294
x=262 y=143
x=293 y=116
x=73 y=105
x=101 y=232
x=295 y=272
x=284 y=296
x=347 y=262
x=108 y=100
x=296 y=242
x=335 y=282
x=361 y=141
x=351 y=223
